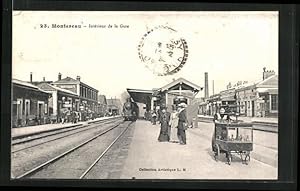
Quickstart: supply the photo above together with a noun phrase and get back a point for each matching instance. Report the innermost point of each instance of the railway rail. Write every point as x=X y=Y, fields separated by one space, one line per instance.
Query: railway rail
x=40 y=167
x=69 y=132
x=24 y=138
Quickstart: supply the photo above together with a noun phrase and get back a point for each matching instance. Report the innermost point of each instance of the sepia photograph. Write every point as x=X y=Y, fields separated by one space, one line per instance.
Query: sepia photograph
x=145 y=95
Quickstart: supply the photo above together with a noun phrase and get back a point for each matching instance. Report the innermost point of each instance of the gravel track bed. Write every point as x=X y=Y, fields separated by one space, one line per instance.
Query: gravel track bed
x=74 y=164
x=62 y=135
x=112 y=163
x=28 y=159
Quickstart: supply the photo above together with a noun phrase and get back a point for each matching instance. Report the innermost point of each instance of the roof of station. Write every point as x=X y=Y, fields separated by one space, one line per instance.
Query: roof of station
x=144 y=96
x=27 y=85
x=139 y=95
x=49 y=87
x=189 y=85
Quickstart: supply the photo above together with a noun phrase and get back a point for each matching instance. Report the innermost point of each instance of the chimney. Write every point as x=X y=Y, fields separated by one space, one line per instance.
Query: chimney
x=267 y=73
x=229 y=85
x=78 y=78
x=59 y=76
x=31 y=77
x=44 y=79
x=206 y=85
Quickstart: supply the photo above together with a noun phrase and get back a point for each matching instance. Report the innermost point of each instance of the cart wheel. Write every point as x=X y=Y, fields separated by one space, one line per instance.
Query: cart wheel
x=241 y=155
x=247 y=159
x=229 y=158
x=217 y=152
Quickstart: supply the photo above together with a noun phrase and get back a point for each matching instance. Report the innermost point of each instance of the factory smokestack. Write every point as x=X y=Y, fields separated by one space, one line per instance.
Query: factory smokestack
x=206 y=85
x=30 y=76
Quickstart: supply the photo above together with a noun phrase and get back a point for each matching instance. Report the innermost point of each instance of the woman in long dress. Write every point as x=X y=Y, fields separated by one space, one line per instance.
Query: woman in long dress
x=174 y=124
x=164 y=124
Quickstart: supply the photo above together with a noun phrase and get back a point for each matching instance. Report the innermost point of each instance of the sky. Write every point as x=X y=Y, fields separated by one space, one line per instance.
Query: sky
x=230 y=46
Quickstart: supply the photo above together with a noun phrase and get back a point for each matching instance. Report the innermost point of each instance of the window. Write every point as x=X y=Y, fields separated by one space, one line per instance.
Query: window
x=274 y=102
x=27 y=107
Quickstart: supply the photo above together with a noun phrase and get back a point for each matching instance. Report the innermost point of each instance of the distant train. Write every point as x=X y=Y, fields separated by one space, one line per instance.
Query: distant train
x=130 y=111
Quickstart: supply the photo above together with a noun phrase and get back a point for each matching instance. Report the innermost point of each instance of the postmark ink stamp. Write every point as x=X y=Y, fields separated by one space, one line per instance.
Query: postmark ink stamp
x=163 y=51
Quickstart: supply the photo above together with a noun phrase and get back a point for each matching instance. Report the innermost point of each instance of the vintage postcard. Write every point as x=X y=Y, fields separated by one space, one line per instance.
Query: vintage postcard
x=145 y=95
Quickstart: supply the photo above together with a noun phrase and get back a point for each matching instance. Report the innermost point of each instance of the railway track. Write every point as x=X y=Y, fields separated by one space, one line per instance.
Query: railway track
x=64 y=134
x=102 y=154
x=87 y=143
x=23 y=139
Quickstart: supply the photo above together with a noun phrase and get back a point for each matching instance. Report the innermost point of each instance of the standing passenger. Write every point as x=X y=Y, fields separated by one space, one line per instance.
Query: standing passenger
x=63 y=116
x=164 y=125
x=174 y=125
x=154 y=115
x=182 y=124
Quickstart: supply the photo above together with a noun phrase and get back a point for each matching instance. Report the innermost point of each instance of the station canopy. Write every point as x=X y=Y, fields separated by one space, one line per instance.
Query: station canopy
x=181 y=85
x=141 y=96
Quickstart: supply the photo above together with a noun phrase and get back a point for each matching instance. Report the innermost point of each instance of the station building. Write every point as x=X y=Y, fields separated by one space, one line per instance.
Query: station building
x=88 y=96
x=29 y=104
x=259 y=99
x=102 y=105
x=179 y=90
x=60 y=100
x=114 y=106
x=210 y=105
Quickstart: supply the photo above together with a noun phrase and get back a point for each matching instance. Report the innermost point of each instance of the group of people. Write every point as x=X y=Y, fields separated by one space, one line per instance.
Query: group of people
x=169 y=122
x=70 y=116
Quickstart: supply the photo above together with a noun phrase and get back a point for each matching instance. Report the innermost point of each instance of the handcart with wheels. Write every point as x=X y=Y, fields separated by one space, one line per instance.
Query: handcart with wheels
x=233 y=136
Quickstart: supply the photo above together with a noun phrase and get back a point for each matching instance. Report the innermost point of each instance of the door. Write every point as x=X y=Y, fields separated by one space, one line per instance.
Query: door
x=246 y=109
x=19 y=111
x=40 y=112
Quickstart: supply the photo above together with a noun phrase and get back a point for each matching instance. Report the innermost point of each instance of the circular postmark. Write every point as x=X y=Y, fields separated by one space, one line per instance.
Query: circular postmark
x=163 y=51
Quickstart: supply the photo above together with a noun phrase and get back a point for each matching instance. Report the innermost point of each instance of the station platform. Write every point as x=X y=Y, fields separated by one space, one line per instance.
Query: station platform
x=20 y=132
x=150 y=159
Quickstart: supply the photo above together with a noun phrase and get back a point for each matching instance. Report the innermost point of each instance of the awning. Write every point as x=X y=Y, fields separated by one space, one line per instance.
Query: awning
x=268 y=90
x=141 y=96
x=228 y=98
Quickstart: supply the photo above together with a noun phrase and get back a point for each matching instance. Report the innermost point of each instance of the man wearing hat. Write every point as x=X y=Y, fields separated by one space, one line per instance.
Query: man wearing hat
x=182 y=123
